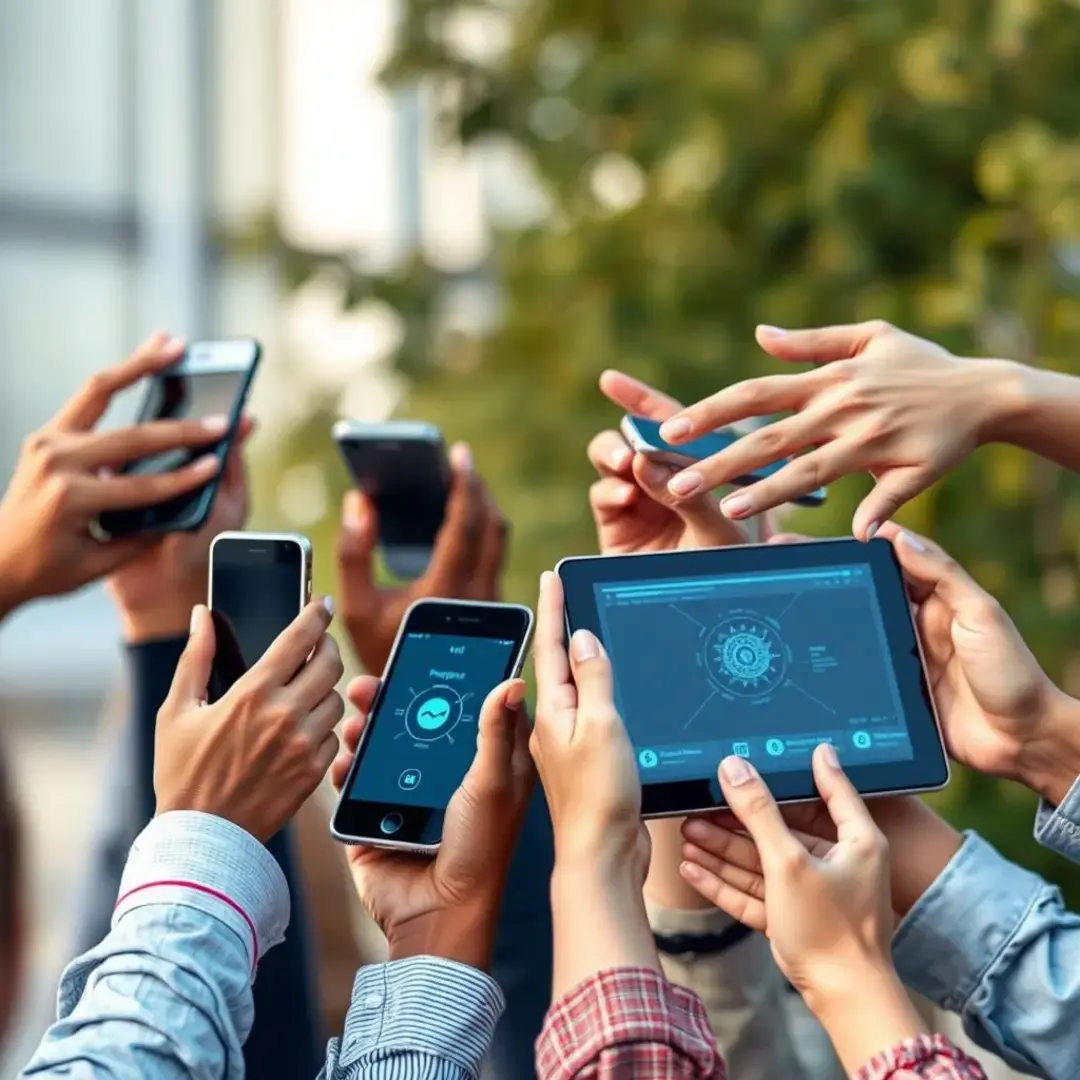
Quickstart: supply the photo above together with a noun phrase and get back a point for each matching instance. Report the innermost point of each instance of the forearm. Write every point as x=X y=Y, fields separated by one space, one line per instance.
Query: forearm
x=664 y=885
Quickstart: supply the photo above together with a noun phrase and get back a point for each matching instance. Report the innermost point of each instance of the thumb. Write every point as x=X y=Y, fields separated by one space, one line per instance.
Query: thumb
x=890 y=492
x=820 y=346
x=355 y=550
x=845 y=806
x=752 y=803
x=192 y=676
x=702 y=513
x=496 y=734
x=932 y=570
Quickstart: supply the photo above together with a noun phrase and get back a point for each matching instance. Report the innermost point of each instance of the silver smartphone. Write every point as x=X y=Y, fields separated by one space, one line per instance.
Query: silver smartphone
x=259 y=583
x=420 y=737
x=401 y=465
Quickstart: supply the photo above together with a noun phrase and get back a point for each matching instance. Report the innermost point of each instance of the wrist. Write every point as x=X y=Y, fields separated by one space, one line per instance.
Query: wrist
x=1049 y=762
x=1006 y=400
x=464 y=934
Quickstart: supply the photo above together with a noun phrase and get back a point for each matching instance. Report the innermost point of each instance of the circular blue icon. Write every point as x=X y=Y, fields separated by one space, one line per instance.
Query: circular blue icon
x=433 y=713
x=774 y=747
x=648 y=759
x=861 y=740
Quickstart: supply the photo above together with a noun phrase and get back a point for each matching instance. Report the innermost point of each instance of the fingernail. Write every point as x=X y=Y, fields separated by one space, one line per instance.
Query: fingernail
x=515 y=695
x=196 y=616
x=545 y=579
x=828 y=755
x=328 y=603
x=675 y=429
x=462 y=458
x=208 y=463
x=174 y=344
x=771 y=331
x=584 y=646
x=217 y=424
x=686 y=483
x=871 y=531
x=620 y=457
x=912 y=541
x=736 y=770
x=690 y=870
x=354 y=516
x=737 y=505
x=656 y=474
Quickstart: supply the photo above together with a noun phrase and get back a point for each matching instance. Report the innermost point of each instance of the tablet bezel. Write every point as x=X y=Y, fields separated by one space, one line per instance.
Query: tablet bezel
x=927 y=770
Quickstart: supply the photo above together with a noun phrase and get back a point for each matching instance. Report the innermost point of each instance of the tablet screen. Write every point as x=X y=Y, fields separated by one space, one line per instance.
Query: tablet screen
x=764 y=664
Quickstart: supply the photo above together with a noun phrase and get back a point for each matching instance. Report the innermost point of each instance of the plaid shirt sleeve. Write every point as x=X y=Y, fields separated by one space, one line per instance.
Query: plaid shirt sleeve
x=927 y=1057
x=625 y=1023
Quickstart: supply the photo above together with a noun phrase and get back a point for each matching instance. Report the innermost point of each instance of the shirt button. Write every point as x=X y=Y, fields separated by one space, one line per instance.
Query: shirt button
x=373 y=1001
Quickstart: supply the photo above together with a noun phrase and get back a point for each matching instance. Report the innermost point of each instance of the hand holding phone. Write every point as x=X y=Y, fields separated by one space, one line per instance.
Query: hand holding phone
x=466 y=563
x=61 y=483
x=448 y=906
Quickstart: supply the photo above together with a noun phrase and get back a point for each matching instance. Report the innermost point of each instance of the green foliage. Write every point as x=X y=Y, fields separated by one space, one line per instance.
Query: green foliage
x=712 y=164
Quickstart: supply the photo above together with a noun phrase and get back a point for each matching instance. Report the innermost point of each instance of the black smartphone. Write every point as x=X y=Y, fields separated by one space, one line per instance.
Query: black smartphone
x=402 y=467
x=643 y=436
x=420 y=737
x=259 y=583
x=212 y=378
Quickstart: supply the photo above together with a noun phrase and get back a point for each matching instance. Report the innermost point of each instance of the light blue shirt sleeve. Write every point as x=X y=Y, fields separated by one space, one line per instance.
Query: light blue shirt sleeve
x=994 y=943
x=1058 y=827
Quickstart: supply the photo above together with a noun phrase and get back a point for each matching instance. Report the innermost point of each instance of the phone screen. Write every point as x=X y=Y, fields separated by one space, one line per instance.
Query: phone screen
x=257 y=589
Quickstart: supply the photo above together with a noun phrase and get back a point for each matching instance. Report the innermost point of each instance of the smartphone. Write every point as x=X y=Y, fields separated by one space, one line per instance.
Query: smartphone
x=420 y=737
x=259 y=583
x=643 y=436
x=401 y=465
x=212 y=378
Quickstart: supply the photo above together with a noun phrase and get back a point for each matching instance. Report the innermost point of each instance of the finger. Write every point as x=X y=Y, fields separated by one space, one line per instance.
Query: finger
x=817 y=346
x=609 y=497
x=845 y=807
x=702 y=513
x=351 y=731
x=556 y=696
x=591 y=670
x=361 y=693
x=318 y=676
x=321 y=721
x=326 y=754
x=356 y=542
x=754 y=397
x=891 y=491
x=455 y=549
x=722 y=843
x=115 y=448
x=752 y=803
x=196 y=661
x=741 y=907
x=487 y=574
x=637 y=398
x=750 y=882
x=789 y=538
x=609 y=455
x=99 y=493
x=88 y=405
x=933 y=570
x=290 y=649
x=492 y=767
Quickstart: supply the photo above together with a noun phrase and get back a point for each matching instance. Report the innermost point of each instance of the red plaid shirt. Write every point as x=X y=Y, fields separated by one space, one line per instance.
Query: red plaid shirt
x=632 y=1024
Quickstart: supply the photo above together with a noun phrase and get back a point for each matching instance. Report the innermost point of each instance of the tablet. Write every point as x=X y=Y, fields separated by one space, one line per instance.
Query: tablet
x=763 y=651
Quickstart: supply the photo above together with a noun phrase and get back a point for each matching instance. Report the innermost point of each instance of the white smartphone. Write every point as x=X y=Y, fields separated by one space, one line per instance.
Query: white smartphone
x=259 y=583
x=401 y=465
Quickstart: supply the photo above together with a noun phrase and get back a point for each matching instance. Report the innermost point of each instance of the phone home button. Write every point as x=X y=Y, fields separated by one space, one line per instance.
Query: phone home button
x=391 y=823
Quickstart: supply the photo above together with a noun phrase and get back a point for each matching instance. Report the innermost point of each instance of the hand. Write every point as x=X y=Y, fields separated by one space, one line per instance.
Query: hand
x=60 y=484
x=826 y=912
x=633 y=510
x=999 y=711
x=254 y=756
x=590 y=778
x=449 y=906
x=465 y=565
x=882 y=402
x=156 y=591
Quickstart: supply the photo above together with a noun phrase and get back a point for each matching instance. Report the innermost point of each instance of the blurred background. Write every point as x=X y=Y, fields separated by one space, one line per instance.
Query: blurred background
x=465 y=211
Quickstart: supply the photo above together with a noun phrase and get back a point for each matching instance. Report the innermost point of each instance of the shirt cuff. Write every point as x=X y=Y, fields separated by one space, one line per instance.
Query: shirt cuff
x=208 y=863
x=962 y=924
x=925 y=1055
x=422 y=1005
x=1058 y=827
x=621 y=1006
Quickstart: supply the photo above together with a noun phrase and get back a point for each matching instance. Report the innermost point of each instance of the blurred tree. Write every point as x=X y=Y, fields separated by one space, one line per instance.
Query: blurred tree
x=712 y=164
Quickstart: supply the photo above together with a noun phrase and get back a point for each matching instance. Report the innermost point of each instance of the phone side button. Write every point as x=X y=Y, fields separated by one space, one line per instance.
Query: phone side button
x=391 y=823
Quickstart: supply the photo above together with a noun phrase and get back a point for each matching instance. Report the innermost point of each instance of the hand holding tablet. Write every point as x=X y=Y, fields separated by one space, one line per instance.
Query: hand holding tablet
x=764 y=652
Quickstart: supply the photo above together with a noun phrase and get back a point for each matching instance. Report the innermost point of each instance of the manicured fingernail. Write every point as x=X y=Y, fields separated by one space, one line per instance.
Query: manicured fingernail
x=771 y=331
x=738 y=505
x=828 y=755
x=196 y=618
x=584 y=646
x=545 y=579
x=328 y=603
x=208 y=464
x=216 y=424
x=912 y=541
x=871 y=531
x=675 y=429
x=515 y=695
x=461 y=457
x=736 y=770
x=686 y=483
x=690 y=870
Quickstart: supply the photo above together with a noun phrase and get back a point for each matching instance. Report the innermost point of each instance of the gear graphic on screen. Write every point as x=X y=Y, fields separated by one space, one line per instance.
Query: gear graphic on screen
x=745 y=656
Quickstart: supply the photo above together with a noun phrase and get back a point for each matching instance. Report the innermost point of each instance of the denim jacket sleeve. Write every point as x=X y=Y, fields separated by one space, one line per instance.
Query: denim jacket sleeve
x=994 y=943
x=1058 y=827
